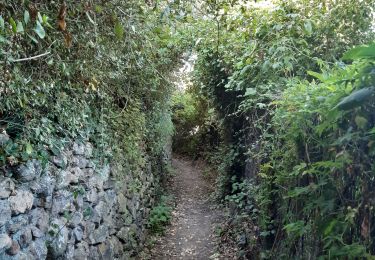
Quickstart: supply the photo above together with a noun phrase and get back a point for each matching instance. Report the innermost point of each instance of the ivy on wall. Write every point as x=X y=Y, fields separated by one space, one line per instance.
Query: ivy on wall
x=94 y=70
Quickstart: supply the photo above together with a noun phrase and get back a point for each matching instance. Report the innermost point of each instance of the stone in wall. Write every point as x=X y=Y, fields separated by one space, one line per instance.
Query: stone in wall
x=72 y=208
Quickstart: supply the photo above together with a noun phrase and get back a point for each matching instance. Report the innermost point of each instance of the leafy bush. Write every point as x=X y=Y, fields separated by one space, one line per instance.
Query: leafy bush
x=196 y=128
x=323 y=161
x=160 y=216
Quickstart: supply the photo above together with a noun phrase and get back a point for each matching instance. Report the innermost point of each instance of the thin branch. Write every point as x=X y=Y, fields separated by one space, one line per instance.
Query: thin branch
x=33 y=57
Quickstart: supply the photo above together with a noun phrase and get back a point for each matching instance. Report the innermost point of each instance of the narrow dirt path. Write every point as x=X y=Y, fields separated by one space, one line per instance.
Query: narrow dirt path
x=192 y=231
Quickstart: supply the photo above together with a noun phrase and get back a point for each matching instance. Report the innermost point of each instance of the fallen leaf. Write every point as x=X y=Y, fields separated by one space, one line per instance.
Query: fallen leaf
x=61 y=18
x=68 y=39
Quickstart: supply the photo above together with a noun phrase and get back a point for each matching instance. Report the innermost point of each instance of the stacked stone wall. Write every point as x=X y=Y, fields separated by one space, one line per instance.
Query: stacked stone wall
x=72 y=207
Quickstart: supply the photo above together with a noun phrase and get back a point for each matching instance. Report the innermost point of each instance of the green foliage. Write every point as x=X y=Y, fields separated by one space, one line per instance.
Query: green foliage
x=322 y=158
x=160 y=216
x=187 y=118
x=102 y=77
x=303 y=138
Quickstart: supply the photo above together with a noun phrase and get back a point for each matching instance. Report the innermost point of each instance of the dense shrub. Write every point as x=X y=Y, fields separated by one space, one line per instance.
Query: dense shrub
x=321 y=165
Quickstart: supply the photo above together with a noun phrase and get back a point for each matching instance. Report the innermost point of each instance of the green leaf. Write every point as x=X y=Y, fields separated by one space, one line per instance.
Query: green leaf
x=26 y=17
x=316 y=75
x=45 y=19
x=98 y=8
x=3 y=39
x=2 y=23
x=298 y=191
x=29 y=149
x=308 y=27
x=13 y=24
x=119 y=30
x=250 y=92
x=330 y=227
x=19 y=27
x=372 y=131
x=355 y=99
x=361 y=122
x=40 y=18
x=40 y=30
x=297 y=227
x=361 y=52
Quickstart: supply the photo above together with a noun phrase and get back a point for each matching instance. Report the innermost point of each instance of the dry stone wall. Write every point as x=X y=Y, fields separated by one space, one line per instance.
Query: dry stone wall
x=72 y=208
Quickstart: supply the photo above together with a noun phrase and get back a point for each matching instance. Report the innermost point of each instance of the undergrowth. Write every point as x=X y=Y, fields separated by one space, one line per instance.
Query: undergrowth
x=160 y=215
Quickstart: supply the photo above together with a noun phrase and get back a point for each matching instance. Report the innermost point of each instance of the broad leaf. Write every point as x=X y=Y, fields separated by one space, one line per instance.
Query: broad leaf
x=40 y=30
x=360 y=52
x=13 y=24
x=355 y=99
x=19 y=27
x=29 y=149
x=250 y=92
x=26 y=17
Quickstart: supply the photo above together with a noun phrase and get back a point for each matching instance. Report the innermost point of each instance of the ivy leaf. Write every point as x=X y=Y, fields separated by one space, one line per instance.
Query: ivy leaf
x=29 y=149
x=40 y=30
x=250 y=92
x=119 y=30
x=26 y=17
x=19 y=27
x=13 y=24
x=355 y=99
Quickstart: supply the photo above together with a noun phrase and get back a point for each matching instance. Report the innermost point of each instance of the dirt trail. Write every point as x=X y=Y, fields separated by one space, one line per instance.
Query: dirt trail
x=191 y=234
